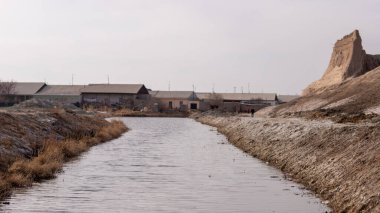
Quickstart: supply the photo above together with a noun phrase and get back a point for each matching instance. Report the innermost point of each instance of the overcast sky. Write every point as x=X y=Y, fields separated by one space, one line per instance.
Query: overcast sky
x=272 y=46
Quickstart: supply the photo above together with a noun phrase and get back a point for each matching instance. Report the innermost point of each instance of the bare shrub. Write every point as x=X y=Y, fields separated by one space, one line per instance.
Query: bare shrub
x=215 y=100
x=7 y=88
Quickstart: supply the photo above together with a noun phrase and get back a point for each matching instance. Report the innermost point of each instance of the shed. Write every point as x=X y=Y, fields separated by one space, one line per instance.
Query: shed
x=123 y=95
x=240 y=102
x=28 y=88
x=61 y=93
x=175 y=100
x=22 y=91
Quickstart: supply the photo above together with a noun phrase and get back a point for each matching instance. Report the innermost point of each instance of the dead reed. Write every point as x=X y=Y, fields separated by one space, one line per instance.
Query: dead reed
x=50 y=158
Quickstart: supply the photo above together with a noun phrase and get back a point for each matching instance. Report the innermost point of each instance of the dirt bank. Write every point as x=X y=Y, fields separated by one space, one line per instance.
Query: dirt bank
x=35 y=143
x=338 y=161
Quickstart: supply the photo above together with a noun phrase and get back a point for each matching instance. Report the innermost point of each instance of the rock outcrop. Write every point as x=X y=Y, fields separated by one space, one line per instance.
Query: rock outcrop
x=348 y=60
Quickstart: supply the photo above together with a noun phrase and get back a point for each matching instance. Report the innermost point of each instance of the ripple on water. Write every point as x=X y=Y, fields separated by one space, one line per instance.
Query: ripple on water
x=166 y=165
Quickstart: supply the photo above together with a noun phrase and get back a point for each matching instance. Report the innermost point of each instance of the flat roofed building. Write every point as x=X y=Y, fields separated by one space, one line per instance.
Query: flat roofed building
x=175 y=100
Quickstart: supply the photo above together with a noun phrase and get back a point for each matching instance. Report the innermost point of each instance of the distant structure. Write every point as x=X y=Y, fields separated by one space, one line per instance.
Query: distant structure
x=133 y=96
x=348 y=60
x=236 y=102
x=22 y=91
x=138 y=97
x=70 y=94
x=175 y=100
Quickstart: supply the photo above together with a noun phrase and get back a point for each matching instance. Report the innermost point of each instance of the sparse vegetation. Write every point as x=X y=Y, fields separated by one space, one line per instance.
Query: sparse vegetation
x=50 y=156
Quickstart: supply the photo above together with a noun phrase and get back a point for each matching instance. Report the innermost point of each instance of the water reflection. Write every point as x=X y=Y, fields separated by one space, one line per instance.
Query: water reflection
x=166 y=165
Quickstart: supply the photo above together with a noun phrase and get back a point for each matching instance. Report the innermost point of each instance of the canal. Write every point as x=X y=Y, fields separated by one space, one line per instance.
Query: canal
x=166 y=165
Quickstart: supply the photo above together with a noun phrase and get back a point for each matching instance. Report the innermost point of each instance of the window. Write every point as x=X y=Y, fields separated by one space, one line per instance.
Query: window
x=170 y=105
x=193 y=106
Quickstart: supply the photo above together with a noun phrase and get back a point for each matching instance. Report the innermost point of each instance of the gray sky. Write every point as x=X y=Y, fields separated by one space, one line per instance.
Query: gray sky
x=273 y=45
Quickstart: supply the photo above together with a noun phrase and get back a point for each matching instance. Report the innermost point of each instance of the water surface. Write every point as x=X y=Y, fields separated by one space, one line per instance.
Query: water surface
x=166 y=165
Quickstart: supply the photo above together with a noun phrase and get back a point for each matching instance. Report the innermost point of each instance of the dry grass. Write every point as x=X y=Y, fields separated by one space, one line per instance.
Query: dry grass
x=19 y=180
x=6 y=143
x=51 y=156
x=112 y=131
x=4 y=187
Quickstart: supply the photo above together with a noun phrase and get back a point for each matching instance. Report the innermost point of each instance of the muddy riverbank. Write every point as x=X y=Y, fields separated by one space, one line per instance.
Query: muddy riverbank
x=35 y=143
x=340 y=162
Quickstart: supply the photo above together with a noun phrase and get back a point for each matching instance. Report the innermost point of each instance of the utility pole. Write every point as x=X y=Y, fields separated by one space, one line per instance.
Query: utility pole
x=234 y=89
x=169 y=86
x=108 y=78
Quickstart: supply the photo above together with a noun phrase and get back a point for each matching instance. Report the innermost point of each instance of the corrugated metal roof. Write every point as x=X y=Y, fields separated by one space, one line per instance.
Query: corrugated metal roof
x=287 y=98
x=61 y=90
x=28 y=88
x=173 y=94
x=241 y=96
x=114 y=88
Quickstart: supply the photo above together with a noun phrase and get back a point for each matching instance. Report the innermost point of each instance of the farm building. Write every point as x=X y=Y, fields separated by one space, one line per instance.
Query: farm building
x=70 y=94
x=236 y=102
x=133 y=96
x=19 y=92
x=175 y=100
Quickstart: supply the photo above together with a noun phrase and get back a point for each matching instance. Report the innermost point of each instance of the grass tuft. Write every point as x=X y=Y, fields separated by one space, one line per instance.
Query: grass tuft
x=50 y=158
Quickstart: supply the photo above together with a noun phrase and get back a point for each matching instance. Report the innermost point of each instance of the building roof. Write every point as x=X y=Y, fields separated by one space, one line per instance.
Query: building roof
x=240 y=96
x=205 y=95
x=74 y=90
x=28 y=88
x=173 y=94
x=116 y=89
x=287 y=98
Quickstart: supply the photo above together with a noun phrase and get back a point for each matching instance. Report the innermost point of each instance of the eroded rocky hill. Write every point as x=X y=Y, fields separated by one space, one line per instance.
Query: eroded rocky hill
x=350 y=86
x=348 y=60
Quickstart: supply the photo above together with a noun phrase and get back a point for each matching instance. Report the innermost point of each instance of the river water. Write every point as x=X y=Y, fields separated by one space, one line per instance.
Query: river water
x=166 y=165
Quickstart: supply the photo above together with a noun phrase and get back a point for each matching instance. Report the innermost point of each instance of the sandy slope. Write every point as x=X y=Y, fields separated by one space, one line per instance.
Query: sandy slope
x=340 y=162
x=358 y=95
